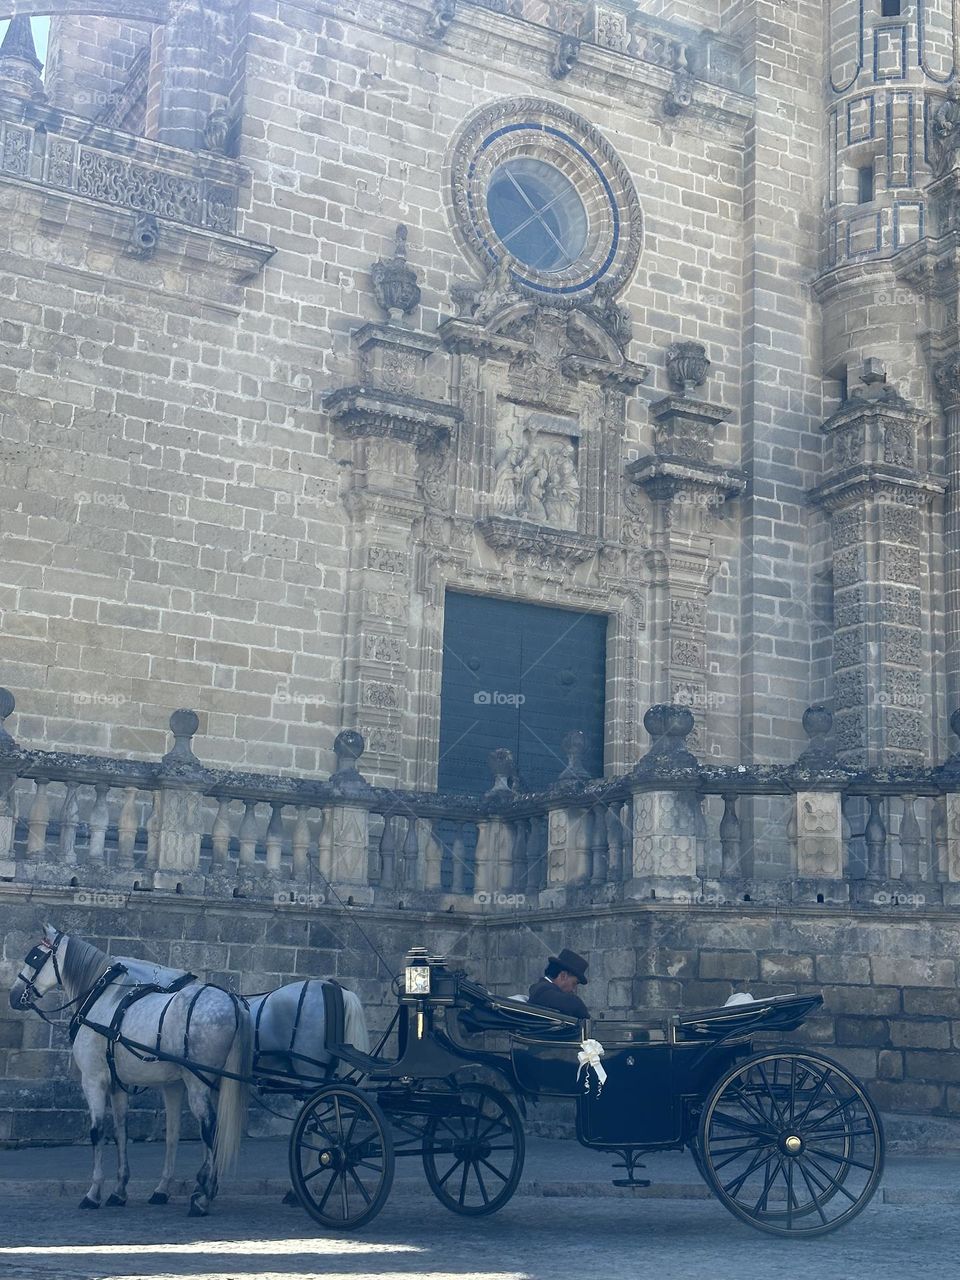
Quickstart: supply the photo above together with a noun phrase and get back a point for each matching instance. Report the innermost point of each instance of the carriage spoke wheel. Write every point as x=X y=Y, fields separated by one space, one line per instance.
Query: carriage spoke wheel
x=473 y=1153
x=790 y=1143
x=341 y=1157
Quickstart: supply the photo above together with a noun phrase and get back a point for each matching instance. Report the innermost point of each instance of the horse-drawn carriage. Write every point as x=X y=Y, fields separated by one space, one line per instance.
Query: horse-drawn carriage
x=786 y=1139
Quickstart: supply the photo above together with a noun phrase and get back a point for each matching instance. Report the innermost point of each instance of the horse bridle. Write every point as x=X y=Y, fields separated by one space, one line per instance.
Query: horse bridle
x=36 y=958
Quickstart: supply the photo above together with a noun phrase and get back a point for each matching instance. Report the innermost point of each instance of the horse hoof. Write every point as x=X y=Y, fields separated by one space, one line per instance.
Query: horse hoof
x=196 y=1210
x=290 y=1198
x=158 y=1197
x=116 y=1201
x=87 y=1203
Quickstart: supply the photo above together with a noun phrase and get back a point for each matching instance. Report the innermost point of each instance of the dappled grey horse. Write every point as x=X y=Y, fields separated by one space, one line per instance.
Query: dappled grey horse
x=187 y=1020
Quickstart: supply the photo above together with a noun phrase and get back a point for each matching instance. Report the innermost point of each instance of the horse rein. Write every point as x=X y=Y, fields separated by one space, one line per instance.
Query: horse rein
x=36 y=958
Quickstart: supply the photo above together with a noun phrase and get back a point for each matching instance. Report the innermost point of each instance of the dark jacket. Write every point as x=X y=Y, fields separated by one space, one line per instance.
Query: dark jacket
x=549 y=996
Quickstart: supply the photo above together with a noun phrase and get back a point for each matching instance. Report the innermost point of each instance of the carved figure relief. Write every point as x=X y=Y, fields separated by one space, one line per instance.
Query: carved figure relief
x=536 y=475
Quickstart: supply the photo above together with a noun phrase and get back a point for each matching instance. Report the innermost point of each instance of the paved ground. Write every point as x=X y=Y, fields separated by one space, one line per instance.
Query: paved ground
x=566 y=1223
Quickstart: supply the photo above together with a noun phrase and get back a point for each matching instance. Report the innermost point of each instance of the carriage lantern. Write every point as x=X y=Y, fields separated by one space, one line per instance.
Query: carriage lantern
x=416 y=973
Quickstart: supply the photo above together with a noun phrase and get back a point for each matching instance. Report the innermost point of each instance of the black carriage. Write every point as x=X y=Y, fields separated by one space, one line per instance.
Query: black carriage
x=785 y=1138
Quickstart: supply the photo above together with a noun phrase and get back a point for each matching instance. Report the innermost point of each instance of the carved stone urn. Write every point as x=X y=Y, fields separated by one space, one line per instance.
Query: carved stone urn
x=687 y=365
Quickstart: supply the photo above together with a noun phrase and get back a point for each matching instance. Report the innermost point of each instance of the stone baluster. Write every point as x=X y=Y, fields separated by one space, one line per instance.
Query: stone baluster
x=730 y=852
x=410 y=856
x=8 y=779
x=876 y=840
x=153 y=832
x=99 y=820
x=388 y=854
x=38 y=820
x=127 y=825
x=599 y=856
x=614 y=843
x=910 y=838
x=458 y=859
x=220 y=834
x=249 y=831
x=275 y=837
x=301 y=844
x=69 y=820
x=432 y=856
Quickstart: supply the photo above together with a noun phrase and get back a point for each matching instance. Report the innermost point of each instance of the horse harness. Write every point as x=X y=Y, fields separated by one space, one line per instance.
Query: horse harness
x=114 y=1035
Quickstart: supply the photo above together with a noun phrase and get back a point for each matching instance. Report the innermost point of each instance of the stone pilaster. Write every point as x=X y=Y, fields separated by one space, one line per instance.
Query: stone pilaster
x=400 y=444
x=686 y=489
x=877 y=492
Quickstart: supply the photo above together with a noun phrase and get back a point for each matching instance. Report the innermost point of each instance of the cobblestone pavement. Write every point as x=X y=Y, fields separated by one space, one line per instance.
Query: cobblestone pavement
x=249 y=1238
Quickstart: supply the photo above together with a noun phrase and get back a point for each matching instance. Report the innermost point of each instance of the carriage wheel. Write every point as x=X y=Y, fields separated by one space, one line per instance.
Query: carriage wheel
x=790 y=1143
x=341 y=1157
x=473 y=1152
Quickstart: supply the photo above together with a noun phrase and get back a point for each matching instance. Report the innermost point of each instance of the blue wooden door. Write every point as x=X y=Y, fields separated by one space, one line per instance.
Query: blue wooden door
x=519 y=676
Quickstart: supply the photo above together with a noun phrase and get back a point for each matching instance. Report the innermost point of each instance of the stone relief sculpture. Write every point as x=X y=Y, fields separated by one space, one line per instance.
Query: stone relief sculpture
x=945 y=129
x=538 y=481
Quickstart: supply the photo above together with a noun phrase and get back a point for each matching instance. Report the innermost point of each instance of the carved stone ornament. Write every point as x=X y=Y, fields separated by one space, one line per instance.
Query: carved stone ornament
x=946 y=377
x=945 y=131
x=358 y=411
x=441 y=15
x=565 y=56
x=679 y=95
x=535 y=542
x=144 y=236
x=687 y=365
x=538 y=481
x=395 y=281
x=216 y=130
x=19 y=65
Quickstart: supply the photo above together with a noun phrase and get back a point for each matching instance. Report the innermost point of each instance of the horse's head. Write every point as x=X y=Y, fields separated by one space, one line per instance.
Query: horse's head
x=41 y=969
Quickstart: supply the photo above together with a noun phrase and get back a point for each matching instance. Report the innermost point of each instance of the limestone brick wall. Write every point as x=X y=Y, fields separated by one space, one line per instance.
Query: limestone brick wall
x=89 y=57
x=891 y=1010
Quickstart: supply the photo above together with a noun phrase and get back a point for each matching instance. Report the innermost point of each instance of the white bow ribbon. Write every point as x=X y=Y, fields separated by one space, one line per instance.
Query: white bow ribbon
x=591 y=1051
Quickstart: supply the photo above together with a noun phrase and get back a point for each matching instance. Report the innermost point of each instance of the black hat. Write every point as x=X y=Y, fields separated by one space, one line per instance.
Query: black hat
x=572 y=963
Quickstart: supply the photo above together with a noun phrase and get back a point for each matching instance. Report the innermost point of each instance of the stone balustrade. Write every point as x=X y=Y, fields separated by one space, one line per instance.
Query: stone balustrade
x=672 y=830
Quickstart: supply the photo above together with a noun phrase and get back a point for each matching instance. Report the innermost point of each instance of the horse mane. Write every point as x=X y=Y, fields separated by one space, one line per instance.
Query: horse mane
x=82 y=966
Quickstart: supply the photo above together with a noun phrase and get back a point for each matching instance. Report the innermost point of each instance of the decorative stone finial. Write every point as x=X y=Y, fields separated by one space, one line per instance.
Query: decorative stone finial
x=574 y=744
x=348 y=747
x=687 y=365
x=8 y=705
x=817 y=723
x=184 y=723
x=503 y=769
x=395 y=281
x=19 y=65
x=668 y=725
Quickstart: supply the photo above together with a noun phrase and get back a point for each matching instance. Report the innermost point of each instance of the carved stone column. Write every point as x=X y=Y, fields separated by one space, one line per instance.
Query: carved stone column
x=192 y=67
x=686 y=489
x=399 y=440
x=877 y=492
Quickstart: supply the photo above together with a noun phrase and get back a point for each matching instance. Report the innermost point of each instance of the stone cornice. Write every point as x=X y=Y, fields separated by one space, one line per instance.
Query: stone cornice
x=873 y=481
x=563 y=545
x=363 y=411
x=663 y=477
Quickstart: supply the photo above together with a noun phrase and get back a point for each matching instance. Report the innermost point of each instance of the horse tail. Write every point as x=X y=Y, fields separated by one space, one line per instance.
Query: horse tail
x=233 y=1097
x=354 y=1023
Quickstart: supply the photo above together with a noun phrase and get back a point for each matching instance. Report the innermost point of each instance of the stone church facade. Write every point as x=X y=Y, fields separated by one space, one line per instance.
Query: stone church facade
x=476 y=376
x=276 y=384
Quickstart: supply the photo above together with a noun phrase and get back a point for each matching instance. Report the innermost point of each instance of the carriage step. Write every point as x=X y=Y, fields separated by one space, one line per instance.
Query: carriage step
x=632 y=1182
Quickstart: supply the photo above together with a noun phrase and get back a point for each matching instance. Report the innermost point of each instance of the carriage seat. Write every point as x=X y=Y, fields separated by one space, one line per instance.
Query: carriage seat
x=487 y=1012
x=771 y=1013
